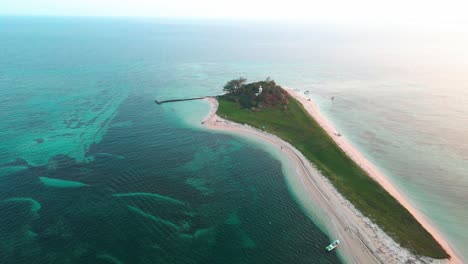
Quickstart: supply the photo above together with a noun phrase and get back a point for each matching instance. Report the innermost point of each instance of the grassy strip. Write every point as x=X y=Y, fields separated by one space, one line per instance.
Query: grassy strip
x=298 y=128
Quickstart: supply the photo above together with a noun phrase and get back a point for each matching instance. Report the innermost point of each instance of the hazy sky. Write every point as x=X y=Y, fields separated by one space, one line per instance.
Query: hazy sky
x=454 y=12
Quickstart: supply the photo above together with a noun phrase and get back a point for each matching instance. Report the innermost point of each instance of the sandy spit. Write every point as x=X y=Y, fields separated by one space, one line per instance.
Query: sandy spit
x=361 y=240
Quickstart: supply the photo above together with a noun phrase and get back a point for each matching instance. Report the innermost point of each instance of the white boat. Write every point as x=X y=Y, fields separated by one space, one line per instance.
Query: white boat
x=333 y=245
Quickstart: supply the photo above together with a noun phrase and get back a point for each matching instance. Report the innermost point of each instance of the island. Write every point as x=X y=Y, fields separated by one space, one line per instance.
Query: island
x=365 y=211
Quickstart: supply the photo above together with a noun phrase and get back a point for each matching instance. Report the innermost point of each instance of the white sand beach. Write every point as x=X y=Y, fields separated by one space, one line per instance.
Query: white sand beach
x=361 y=240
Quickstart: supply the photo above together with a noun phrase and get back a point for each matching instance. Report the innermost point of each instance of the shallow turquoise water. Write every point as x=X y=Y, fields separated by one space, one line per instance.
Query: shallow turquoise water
x=93 y=171
x=76 y=105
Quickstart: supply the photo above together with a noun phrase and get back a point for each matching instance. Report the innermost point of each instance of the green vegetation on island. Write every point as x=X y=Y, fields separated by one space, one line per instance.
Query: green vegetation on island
x=267 y=106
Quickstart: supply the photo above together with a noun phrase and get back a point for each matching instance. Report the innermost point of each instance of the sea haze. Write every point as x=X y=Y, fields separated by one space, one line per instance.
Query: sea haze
x=92 y=170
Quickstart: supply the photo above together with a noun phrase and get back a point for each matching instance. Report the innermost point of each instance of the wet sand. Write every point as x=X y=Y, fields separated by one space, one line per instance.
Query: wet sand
x=361 y=240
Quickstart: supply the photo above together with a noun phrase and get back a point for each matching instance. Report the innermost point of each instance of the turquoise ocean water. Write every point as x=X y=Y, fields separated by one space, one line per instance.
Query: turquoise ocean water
x=92 y=171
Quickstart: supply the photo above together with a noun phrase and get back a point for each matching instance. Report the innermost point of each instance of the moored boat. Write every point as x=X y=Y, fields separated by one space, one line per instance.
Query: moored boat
x=333 y=245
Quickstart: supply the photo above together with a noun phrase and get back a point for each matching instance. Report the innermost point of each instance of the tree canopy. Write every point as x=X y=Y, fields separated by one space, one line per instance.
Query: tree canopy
x=234 y=85
x=258 y=95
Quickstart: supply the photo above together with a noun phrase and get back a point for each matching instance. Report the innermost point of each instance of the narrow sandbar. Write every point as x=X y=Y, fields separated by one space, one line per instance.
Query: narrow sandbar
x=362 y=241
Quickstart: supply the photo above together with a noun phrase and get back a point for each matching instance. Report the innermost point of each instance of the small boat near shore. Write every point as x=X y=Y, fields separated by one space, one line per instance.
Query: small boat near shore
x=333 y=245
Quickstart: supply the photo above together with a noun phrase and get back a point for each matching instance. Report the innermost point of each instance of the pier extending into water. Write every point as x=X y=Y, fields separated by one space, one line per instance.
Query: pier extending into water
x=182 y=99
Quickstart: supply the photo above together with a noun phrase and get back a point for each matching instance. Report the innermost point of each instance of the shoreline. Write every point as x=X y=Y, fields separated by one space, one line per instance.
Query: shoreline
x=372 y=171
x=362 y=241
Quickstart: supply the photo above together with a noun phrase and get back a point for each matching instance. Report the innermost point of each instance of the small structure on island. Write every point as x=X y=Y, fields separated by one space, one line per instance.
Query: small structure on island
x=260 y=89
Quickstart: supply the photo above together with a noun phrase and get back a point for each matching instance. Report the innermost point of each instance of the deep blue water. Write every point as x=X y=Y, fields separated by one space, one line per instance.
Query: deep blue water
x=93 y=171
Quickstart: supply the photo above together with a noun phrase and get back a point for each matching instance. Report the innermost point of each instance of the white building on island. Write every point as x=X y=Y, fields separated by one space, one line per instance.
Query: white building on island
x=259 y=90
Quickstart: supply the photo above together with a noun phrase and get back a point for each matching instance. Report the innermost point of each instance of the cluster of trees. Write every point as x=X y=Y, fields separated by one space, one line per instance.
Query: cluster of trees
x=257 y=94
